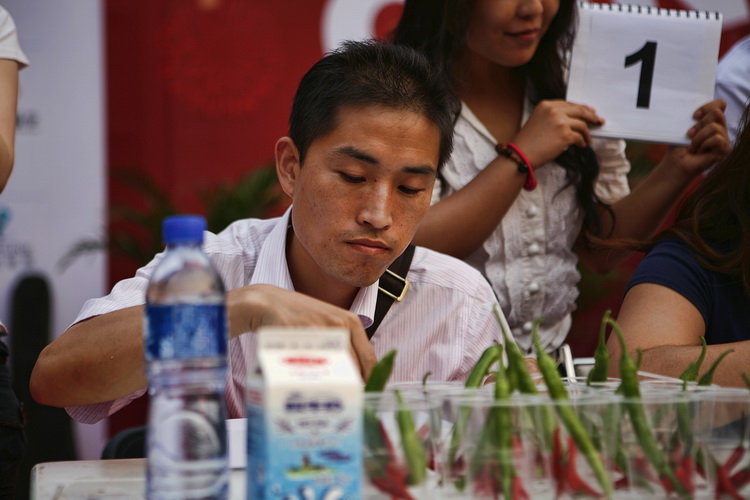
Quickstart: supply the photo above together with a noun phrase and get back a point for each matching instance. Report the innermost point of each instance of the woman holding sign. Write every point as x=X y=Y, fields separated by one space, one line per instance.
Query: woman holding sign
x=695 y=280
x=527 y=185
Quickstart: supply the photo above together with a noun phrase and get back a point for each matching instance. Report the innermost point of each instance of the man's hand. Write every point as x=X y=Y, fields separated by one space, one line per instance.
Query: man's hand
x=254 y=306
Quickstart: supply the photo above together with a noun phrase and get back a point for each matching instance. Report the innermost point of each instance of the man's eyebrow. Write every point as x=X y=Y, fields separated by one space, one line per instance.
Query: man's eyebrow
x=355 y=153
x=360 y=155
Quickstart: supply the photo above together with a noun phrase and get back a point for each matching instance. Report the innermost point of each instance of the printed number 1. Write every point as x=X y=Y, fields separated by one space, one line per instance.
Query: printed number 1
x=647 y=55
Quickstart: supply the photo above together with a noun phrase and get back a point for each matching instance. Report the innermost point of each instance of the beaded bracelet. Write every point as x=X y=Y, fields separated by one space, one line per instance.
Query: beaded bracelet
x=512 y=152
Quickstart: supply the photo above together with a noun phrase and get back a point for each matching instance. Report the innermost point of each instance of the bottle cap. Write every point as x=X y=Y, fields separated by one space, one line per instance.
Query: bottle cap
x=183 y=229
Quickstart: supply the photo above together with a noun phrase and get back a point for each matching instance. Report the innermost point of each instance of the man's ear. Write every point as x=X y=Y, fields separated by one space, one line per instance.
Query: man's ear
x=287 y=164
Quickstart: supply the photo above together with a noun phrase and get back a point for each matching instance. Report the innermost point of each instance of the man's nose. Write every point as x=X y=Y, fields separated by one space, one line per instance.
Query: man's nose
x=375 y=208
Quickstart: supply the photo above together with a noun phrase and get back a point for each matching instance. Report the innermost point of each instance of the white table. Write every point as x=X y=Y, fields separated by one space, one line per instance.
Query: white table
x=104 y=479
x=125 y=479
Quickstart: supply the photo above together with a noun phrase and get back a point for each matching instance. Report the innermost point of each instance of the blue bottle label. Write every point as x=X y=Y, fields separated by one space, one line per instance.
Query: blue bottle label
x=183 y=331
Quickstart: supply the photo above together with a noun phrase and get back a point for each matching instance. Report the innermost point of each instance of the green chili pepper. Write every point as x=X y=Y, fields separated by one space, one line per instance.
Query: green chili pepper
x=638 y=358
x=569 y=418
x=496 y=438
x=416 y=459
x=691 y=372
x=380 y=374
x=600 y=371
x=684 y=424
x=746 y=379
x=638 y=418
x=708 y=377
x=478 y=373
x=482 y=367
x=375 y=440
x=424 y=379
x=504 y=436
x=526 y=385
x=516 y=363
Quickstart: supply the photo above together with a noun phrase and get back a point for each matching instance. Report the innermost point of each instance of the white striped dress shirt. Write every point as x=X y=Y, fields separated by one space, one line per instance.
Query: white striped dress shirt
x=442 y=325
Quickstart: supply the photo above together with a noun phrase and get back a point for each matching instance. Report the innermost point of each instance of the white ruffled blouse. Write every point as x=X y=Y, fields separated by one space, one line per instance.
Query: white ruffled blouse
x=529 y=258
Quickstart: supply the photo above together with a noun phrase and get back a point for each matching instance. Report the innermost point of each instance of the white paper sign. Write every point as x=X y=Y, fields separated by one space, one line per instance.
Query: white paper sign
x=645 y=70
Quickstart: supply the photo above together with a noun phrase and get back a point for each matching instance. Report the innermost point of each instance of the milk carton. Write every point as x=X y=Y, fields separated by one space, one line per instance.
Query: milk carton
x=304 y=417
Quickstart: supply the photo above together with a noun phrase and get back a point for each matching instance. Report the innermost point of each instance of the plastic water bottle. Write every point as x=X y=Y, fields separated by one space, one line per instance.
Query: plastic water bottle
x=186 y=359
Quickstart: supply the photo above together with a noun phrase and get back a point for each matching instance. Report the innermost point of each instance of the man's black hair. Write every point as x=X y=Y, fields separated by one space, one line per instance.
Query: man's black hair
x=367 y=73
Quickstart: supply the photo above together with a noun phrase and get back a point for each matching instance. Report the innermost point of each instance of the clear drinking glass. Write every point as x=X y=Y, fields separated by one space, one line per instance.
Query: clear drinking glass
x=658 y=445
x=724 y=437
x=399 y=436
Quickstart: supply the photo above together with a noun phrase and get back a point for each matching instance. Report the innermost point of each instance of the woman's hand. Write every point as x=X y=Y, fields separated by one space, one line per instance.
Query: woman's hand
x=553 y=127
x=709 y=141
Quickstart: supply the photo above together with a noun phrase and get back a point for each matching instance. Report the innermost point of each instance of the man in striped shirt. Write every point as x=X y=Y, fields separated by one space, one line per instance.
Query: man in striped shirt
x=370 y=126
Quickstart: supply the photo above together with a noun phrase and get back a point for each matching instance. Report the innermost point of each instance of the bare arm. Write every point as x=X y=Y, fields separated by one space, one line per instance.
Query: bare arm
x=639 y=215
x=85 y=366
x=95 y=360
x=8 y=103
x=484 y=201
x=667 y=328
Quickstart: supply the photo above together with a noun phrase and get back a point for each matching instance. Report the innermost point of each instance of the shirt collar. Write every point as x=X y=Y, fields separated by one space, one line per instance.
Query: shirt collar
x=272 y=269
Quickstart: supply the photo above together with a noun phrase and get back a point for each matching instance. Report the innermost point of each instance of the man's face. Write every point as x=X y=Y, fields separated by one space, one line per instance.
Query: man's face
x=359 y=196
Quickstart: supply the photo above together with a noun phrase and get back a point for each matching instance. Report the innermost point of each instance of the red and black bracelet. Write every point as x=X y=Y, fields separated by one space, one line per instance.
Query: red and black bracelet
x=512 y=152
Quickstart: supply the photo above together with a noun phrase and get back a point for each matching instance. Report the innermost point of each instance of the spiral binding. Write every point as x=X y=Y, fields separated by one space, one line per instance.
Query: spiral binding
x=648 y=10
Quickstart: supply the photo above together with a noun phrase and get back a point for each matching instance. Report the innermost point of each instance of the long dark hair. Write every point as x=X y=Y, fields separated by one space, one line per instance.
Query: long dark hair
x=438 y=28
x=714 y=221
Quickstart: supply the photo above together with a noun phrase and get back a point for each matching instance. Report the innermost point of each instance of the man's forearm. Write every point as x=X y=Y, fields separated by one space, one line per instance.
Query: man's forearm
x=96 y=360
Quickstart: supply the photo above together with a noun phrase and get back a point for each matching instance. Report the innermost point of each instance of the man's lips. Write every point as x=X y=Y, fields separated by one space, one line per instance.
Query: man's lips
x=373 y=247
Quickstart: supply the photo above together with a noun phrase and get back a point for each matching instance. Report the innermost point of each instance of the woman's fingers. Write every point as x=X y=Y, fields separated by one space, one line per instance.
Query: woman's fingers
x=710 y=120
x=585 y=113
x=708 y=142
x=553 y=127
x=581 y=133
x=710 y=133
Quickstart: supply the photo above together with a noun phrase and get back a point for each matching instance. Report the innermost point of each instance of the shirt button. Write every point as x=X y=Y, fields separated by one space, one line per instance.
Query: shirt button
x=534 y=249
x=527 y=327
x=533 y=287
x=531 y=211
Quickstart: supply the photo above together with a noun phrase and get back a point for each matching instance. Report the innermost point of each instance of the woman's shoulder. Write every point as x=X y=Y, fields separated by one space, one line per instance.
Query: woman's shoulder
x=670 y=250
x=669 y=262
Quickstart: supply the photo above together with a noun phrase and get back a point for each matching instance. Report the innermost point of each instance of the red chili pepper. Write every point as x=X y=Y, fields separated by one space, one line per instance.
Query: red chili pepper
x=458 y=467
x=734 y=458
x=519 y=492
x=394 y=482
x=387 y=442
x=740 y=479
x=622 y=483
x=424 y=432
x=643 y=468
x=576 y=484
x=391 y=477
x=486 y=482
x=558 y=464
x=424 y=436
x=724 y=485
x=684 y=473
x=700 y=469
